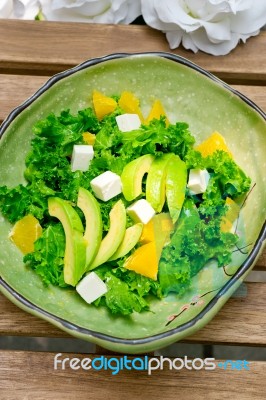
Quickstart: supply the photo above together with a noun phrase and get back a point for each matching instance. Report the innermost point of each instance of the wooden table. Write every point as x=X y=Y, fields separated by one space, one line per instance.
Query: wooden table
x=30 y=51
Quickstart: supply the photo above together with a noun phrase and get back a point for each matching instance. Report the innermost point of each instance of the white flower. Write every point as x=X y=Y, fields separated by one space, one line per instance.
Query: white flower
x=213 y=26
x=20 y=9
x=98 y=11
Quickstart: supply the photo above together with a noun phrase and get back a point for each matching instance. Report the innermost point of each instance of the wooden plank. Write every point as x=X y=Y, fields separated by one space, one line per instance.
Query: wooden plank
x=15 y=89
x=42 y=48
x=27 y=375
x=241 y=321
x=261 y=263
x=254 y=93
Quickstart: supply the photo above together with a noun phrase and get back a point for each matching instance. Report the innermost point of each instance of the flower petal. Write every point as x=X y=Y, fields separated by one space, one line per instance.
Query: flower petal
x=201 y=41
x=6 y=9
x=26 y=9
x=208 y=10
x=151 y=17
x=213 y=26
x=250 y=20
x=218 y=31
x=98 y=11
x=133 y=11
x=174 y=38
x=188 y=43
x=173 y=12
x=231 y=5
x=89 y=8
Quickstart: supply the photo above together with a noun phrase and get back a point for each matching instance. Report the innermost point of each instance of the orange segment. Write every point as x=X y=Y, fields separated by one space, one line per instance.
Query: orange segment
x=214 y=142
x=144 y=261
x=230 y=216
x=102 y=104
x=89 y=138
x=130 y=104
x=25 y=232
x=158 y=229
x=156 y=112
x=163 y=226
x=147 y=233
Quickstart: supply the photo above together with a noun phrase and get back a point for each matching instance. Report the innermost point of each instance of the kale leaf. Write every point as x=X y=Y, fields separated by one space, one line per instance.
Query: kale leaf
x=127 y=290
x=227 y=178
x=196 y=240
x=47 y=260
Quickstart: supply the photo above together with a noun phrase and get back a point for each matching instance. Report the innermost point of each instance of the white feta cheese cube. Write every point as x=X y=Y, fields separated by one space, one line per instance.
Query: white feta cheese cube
x=128 y=122
x=141 y=211
x=91 y=287
x=198 y=181
x=106 y=186
x=81 y=157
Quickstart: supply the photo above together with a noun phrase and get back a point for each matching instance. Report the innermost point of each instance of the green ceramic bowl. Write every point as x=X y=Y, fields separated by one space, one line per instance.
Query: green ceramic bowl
x=190 y=94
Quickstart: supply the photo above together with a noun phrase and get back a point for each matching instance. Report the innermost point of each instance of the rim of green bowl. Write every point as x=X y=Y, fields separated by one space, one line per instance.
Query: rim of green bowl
x=241 y=271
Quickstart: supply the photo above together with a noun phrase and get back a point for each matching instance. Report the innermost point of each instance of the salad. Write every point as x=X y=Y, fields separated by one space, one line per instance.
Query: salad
x=120 y=207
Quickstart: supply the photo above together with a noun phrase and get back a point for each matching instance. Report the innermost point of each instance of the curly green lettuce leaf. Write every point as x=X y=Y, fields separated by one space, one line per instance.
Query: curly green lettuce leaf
x=114 y=151
x=174 y=268
x=127 y=290
x=157 y=138
x=174 y=277
x=119 y=298
x=14 y=202
x=196 y=240
x=105 y=140
x=47 y=260
x=66 y=128
x=227 y=179
x=17 y=202
x=138 y=283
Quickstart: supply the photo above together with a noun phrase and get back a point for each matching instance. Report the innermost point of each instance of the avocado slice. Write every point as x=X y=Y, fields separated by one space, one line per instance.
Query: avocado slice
x=156 y=182
x=163 y=227
x=132 y=176
x=131 y=238
x=176 y=181
x=114 y=237
x=75 y=251
x=94 y=227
